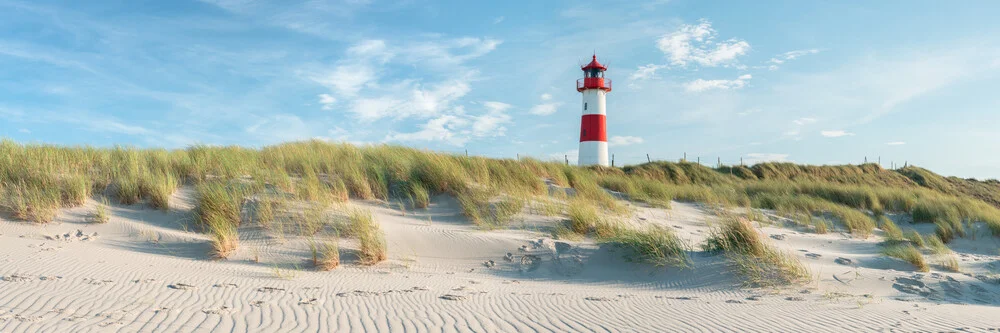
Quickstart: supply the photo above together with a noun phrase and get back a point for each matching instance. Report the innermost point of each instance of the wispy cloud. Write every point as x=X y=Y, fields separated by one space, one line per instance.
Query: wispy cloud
x=895 y=143
x=804 y=121
x=327 y=101
x=545 y=109
x=701 y=85
x=624 y=140
x=696 y=44
x=788 y=56
x=646 y=72
x=835 y=133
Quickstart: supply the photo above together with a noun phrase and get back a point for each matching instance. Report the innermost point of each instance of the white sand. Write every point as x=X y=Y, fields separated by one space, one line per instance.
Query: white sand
x=144 y=272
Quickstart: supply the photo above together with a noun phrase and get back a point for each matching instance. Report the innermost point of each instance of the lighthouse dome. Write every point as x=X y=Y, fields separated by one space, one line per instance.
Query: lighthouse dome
x=594 y=65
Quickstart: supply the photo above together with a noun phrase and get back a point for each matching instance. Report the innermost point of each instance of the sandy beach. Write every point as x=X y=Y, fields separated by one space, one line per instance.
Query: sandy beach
x=144 y=271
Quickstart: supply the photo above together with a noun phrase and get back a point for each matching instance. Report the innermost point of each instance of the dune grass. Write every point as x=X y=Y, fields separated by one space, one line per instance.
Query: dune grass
x=915 y=238
x=949 y=263
x=373 y=247
x=892 y=232
x=907 y=253
x=653 y=245
x=583 y=216
x=754 y=258
x=36 y=181
x=325 y=254
x=936 y=245
x=101 y=214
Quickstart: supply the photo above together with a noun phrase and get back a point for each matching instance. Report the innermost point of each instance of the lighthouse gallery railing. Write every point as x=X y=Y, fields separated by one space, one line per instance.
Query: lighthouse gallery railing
x=593 y=83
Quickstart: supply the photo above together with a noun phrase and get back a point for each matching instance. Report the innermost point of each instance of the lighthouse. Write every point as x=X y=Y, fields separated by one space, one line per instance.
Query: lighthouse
x=593 y=125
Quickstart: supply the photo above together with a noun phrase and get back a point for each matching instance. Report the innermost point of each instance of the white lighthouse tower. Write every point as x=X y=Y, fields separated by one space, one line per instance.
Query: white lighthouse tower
x=593 y=125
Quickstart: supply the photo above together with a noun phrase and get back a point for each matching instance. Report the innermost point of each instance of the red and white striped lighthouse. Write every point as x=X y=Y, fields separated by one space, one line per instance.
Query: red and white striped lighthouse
x=593 y=126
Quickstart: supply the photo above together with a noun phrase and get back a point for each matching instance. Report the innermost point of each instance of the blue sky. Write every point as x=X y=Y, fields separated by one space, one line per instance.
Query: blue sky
x=818 y=82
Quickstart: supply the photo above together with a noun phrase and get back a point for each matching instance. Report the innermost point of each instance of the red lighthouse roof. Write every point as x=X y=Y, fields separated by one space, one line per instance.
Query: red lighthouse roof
x=594 y=65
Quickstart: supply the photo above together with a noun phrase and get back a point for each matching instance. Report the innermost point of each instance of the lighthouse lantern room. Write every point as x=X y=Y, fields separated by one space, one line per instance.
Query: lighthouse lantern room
x=593 y=125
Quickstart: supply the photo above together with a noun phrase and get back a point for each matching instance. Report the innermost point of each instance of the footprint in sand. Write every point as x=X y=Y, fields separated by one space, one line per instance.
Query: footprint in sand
x=270 y=290
x=217 y=311
x=451 y=297
x=599 y=299
x=227 y=285
x=182 y=286
x=16 y=278
x=311 y=301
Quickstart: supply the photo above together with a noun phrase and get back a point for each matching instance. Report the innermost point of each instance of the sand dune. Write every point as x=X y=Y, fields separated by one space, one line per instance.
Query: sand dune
x=146 y=271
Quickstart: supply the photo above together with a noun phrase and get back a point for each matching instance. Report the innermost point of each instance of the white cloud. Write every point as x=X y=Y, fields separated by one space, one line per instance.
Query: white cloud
x=457 y=127
x=24 y=130
x=545 y=109
x=546 y=97
x=835 y=133
x=327 y=101
x=491 y=123
x=371 y=49
x=279 y=128
x=443 y=128
x=754 y=158
x=624 y=140
x=701 y=85
x=896 y=143
x=646 y=72
x=696 y=44
x=787 y=56
x=347 y=80
x=498 y=20
x=804 y=121
x=422 y=102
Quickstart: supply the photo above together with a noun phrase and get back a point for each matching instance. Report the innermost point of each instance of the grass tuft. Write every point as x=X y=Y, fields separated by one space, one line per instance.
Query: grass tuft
x=101 y=212
x=758 y=262
x=907 y=253
x=373 y=247
x=655 y=245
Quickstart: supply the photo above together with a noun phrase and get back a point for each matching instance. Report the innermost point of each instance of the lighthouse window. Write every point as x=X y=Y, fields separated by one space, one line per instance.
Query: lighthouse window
x=584 y=106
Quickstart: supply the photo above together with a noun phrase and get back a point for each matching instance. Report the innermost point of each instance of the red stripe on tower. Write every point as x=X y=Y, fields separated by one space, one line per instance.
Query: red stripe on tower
x=594 y=127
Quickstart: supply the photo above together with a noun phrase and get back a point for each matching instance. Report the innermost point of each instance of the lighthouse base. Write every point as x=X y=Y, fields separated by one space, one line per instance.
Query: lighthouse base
x=593 y=153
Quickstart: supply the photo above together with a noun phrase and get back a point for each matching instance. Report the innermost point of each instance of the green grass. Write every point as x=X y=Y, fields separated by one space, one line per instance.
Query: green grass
x=102 y=213
x=373 y=247
x=915 y=238
x=892 y=232
x=937 y=246
x=36 y=181
x=325 y=254
x=583 y=216
x=655 y=245
x=907 y=253
x=420 y=196
x=757 y=261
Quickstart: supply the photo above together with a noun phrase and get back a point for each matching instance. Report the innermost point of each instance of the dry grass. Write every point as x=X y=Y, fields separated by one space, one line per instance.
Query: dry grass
x=914 y=238
x=892 y=232
x=38 y=180
x=373 y=248
x=657 y=246
x=907 y=253
x=102 y=214
x=583 y=217
x=419 y=195
x=949 y=263
x=936 y=245
x=325 y=255
x=756 y=260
